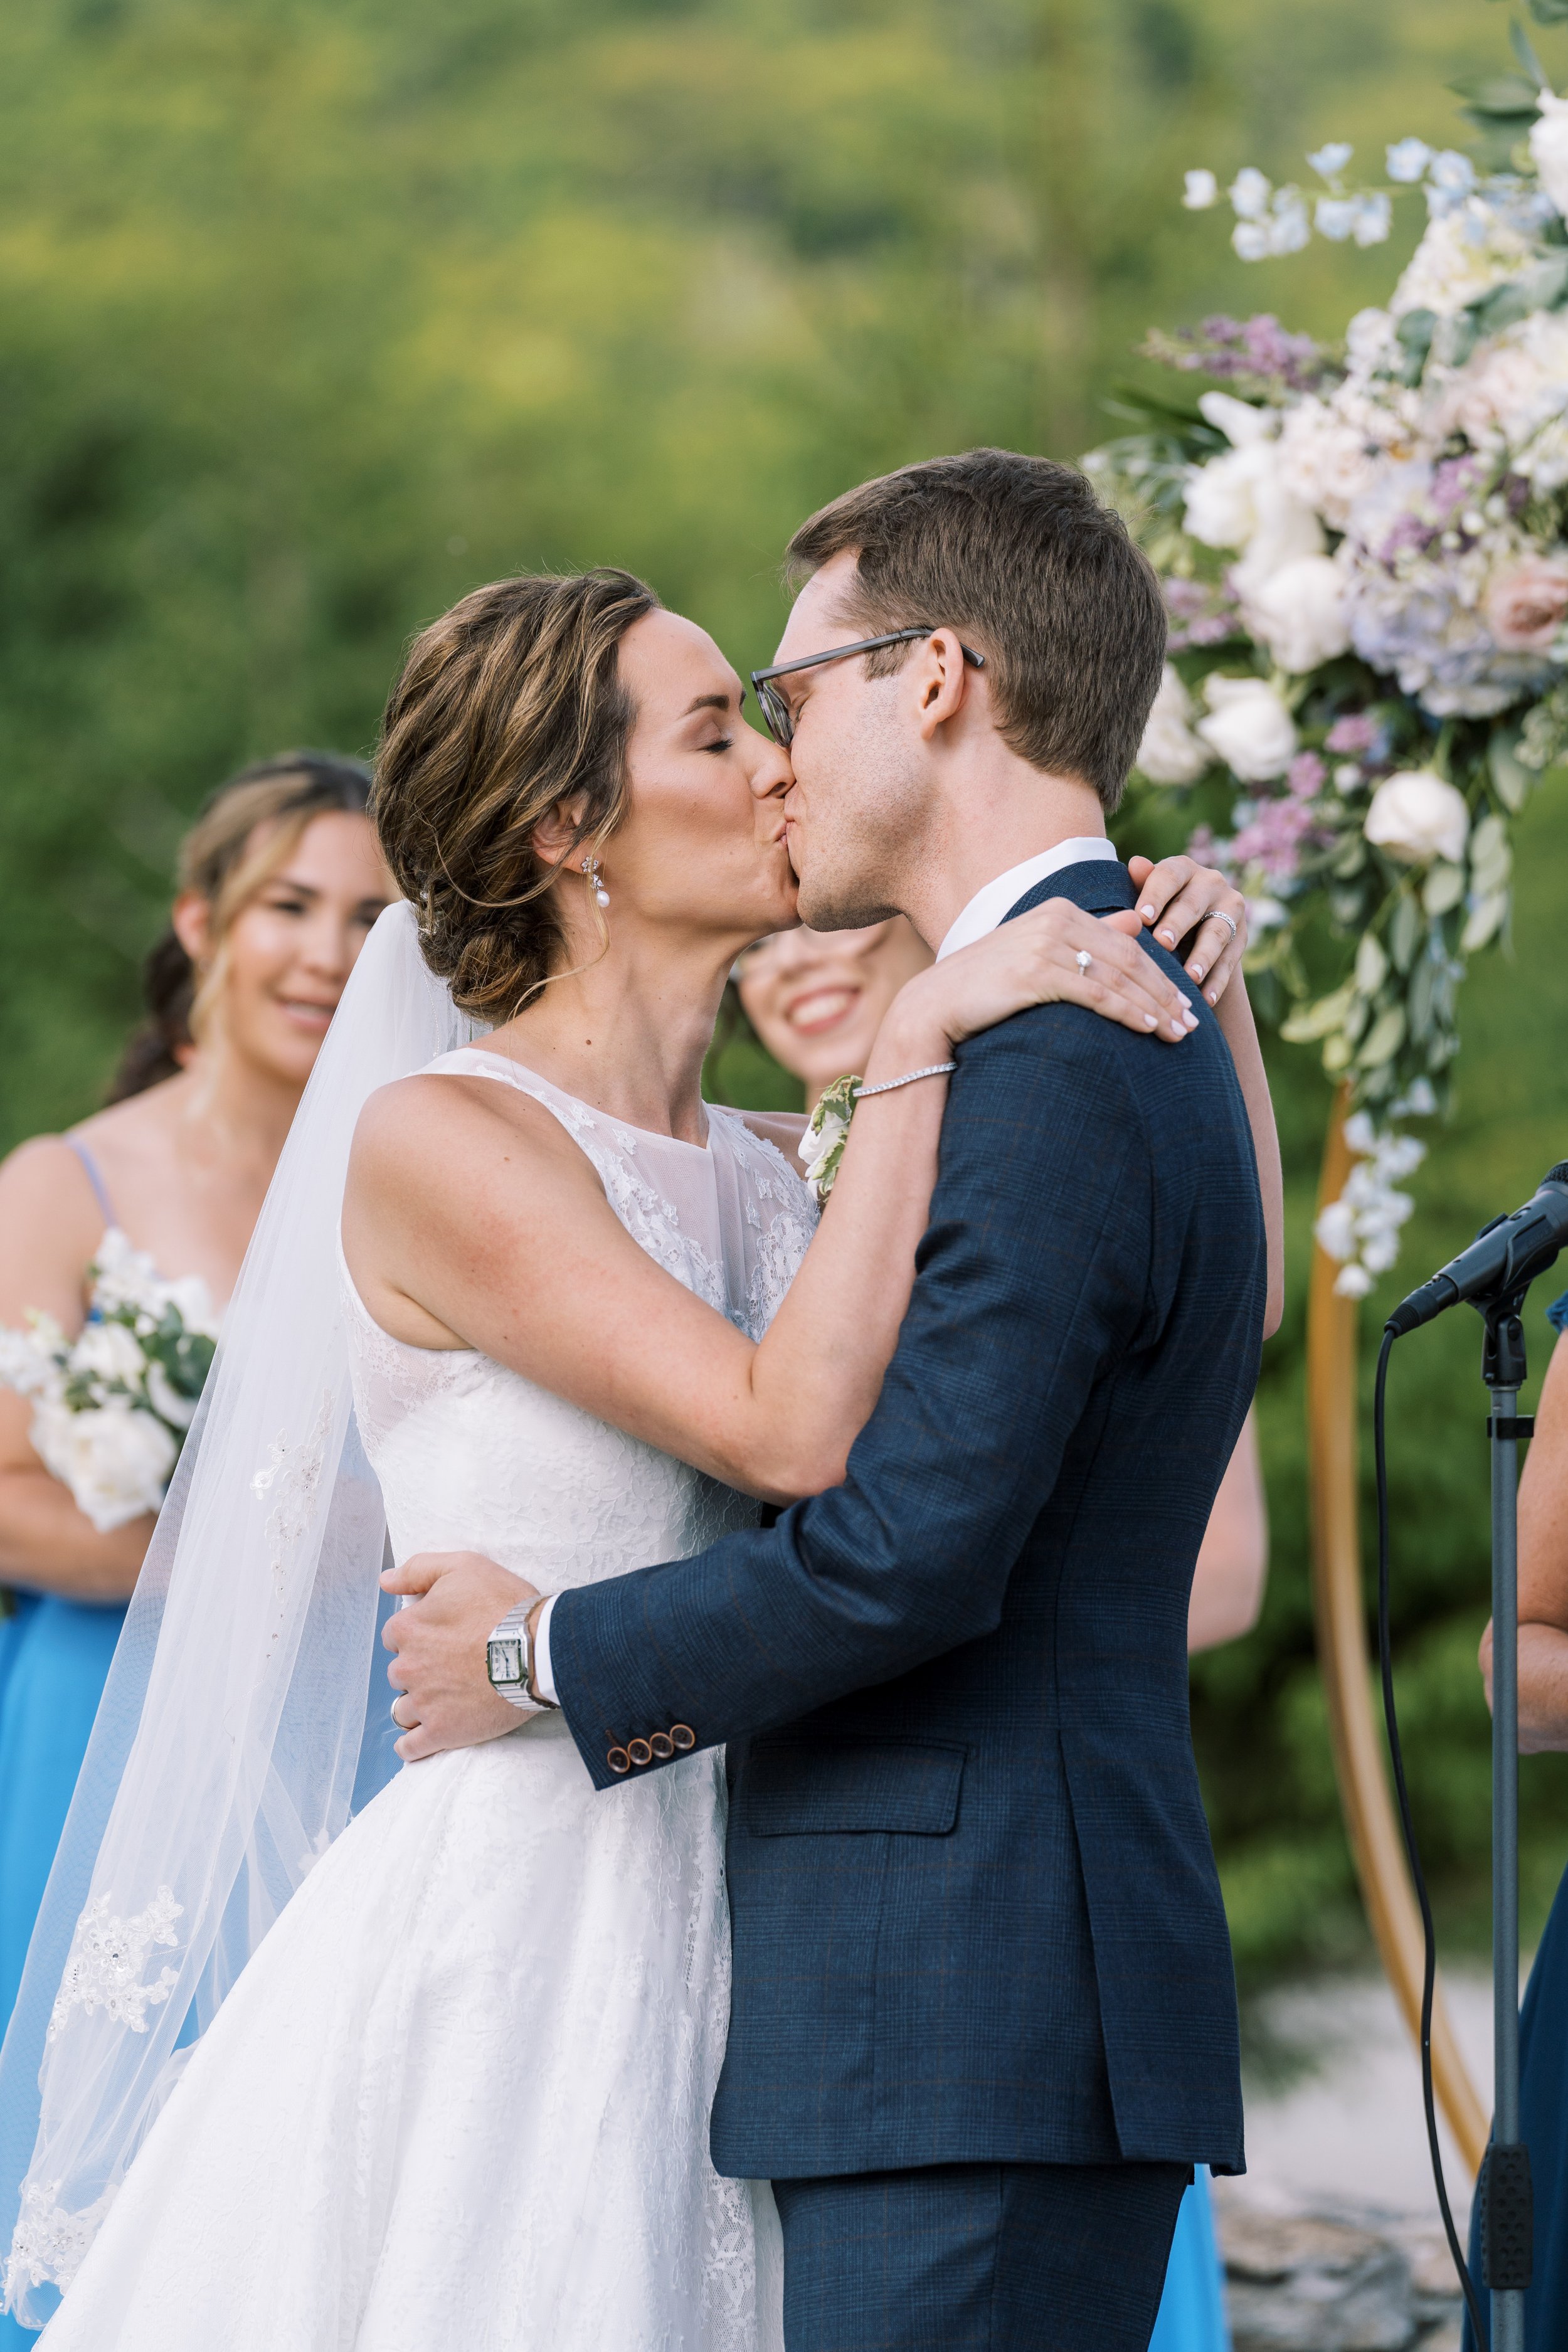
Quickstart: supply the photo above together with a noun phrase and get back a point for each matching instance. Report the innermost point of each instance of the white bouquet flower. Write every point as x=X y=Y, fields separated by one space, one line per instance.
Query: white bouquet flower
x=111 y=1408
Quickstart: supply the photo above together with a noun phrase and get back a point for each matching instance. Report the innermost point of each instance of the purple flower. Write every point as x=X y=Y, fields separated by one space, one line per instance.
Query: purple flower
x=1409 y=531
x=1204 y=849
x=1356 y=731
x=1276 y=836
x=1454 y=481
x=1274 y=353
x=1306 y=775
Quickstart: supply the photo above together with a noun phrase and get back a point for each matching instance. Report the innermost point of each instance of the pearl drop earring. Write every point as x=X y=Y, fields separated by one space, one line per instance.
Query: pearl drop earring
x=595 y=881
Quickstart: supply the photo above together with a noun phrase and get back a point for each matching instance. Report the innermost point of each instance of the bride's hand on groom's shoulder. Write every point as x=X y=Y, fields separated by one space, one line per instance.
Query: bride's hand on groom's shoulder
x=445 y=1698
x=1196 y=913
x=1055 y=954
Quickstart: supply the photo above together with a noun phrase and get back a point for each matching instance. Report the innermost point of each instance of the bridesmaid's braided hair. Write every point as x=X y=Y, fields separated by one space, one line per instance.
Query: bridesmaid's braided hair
x=508 y=705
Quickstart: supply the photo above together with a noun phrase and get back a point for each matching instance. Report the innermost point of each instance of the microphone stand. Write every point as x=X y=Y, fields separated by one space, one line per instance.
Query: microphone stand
x=1504 y=2189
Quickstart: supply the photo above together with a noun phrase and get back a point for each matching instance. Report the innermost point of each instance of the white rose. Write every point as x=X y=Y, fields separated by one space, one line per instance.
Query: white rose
x=108 y=1351
x=1299 y=613
x=1170 y=752
x=1549 y=148
x=115 y=1461
x=1417 y=817
x=1285 y=531
x=1249 y=727
x=1222 y=496
x=1324 y=461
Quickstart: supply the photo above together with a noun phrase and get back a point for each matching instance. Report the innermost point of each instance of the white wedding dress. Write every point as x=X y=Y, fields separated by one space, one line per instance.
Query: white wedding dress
x=457 y=2101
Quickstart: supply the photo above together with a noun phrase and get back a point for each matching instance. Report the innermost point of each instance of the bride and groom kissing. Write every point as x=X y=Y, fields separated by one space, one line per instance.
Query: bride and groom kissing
x=833 y=1956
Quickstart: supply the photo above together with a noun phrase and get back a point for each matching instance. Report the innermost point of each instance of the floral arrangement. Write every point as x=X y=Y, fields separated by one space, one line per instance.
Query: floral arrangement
x=110 y=1409
x=1365 y=554
x=821 y=1147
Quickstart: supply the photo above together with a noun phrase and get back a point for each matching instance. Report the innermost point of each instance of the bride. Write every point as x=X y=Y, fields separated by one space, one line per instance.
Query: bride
x=459 y=2095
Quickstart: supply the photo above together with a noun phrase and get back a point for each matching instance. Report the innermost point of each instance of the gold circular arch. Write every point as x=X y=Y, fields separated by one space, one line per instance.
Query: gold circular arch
x=1341 y=1616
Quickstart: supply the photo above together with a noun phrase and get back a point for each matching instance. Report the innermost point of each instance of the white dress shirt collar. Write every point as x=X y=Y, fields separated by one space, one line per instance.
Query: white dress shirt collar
x=988 y=906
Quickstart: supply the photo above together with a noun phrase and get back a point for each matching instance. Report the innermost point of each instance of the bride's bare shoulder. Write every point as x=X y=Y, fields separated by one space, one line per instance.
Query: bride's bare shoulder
x=454 y=1129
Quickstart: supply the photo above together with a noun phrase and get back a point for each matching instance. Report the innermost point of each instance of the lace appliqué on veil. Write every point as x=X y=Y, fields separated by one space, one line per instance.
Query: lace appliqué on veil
x=295 y=1472
x=49 y=2246
x=107 y=1958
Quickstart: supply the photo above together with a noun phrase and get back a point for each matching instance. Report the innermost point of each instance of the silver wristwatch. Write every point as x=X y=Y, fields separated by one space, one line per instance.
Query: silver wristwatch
x=509 y=1661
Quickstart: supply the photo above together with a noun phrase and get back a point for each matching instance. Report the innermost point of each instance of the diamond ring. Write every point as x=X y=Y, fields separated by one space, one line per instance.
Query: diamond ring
x=1083 y=958
x=1218 y=915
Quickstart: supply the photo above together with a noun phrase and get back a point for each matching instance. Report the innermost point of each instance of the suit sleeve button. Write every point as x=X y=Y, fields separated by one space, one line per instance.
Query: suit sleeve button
x=683 y=1736
x=640 y=1751
x=662 y=1745
x=618 y=1760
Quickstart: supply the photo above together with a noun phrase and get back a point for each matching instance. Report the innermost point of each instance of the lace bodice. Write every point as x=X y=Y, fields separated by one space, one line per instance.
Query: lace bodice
x=473 y=1457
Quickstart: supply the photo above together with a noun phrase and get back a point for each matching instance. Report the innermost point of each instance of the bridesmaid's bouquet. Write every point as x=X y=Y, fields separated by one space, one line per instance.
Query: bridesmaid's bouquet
x=111 y=1408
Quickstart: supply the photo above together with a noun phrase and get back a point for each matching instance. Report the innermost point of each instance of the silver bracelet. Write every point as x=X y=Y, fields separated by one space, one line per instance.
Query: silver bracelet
x=932 y=1070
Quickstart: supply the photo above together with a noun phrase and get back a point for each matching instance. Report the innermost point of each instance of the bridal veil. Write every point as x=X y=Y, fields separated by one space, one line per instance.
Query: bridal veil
x=224 y=1758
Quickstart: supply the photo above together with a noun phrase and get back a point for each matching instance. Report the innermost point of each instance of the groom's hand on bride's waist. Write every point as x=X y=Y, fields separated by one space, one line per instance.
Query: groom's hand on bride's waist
x=444 y=1695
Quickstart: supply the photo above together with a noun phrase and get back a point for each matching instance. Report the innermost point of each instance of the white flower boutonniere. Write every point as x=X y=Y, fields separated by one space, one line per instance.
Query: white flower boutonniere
x=828 y=1132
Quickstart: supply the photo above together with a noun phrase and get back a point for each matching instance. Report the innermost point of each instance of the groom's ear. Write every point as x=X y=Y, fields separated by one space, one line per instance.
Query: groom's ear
x=941 y=680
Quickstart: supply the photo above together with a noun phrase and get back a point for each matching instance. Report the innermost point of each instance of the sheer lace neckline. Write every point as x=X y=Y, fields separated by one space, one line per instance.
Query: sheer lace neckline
x=522 y=1075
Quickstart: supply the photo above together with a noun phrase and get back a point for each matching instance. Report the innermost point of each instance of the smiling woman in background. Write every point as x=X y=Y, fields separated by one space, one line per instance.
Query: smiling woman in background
x=281 y=880
x=814 y=999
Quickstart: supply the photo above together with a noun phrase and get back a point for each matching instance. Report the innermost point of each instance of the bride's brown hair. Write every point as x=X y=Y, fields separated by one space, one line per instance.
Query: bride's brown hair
x=508 y=705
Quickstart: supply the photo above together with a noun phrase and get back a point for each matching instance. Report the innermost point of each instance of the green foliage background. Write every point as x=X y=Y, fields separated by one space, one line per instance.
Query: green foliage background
x=315 y=312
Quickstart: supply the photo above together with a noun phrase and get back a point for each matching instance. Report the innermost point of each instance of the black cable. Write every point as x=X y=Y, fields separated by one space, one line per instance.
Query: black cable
x=1429 y=1936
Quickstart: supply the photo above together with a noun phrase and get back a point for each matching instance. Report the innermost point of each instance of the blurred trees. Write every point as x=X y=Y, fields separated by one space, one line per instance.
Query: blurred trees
x=313 y=315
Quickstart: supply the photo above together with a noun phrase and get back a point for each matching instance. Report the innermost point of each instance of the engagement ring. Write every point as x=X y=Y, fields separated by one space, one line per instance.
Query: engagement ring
x=1083 y=958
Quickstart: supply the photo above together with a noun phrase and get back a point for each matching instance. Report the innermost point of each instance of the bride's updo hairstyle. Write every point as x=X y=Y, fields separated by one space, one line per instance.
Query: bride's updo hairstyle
x=508 y=705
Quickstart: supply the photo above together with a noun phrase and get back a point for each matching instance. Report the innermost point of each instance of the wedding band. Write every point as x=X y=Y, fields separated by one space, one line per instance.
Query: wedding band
x=1218 y=915
x=396 y=1718
x=1083 y=958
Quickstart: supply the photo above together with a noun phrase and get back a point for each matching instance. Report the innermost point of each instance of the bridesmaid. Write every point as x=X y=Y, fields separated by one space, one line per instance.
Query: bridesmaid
x=814 y=999
x=281 y=880
x=1543 y=1724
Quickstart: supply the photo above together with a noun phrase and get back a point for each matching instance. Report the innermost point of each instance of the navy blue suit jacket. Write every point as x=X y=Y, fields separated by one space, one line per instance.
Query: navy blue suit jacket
x=976 y=1916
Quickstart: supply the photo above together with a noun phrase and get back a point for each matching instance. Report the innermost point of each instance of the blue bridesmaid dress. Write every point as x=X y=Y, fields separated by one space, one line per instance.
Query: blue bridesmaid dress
x=1192 y=2309
x=54 y=1660
x=1544 y=2112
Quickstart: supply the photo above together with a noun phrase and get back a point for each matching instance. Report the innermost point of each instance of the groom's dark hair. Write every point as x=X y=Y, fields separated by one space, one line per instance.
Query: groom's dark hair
x=1025 y=563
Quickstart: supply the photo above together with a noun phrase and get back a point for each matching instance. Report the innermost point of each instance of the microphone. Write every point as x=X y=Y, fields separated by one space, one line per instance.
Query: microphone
x=1505 y=1255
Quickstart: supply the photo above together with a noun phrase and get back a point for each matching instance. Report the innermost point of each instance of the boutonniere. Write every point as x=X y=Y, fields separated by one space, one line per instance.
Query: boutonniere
x=826 y=1133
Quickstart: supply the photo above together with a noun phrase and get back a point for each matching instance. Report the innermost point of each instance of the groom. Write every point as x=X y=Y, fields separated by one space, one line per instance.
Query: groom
x=983 y=2018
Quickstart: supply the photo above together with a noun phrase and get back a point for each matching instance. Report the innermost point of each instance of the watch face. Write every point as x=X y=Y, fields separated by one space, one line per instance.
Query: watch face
x=507 y=1661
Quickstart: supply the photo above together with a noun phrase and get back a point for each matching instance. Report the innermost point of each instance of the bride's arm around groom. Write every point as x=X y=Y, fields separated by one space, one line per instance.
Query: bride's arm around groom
x=980 y=1949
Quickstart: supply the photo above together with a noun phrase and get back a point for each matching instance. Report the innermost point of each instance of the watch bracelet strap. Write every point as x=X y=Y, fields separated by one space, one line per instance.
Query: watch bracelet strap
x=514 y=1626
